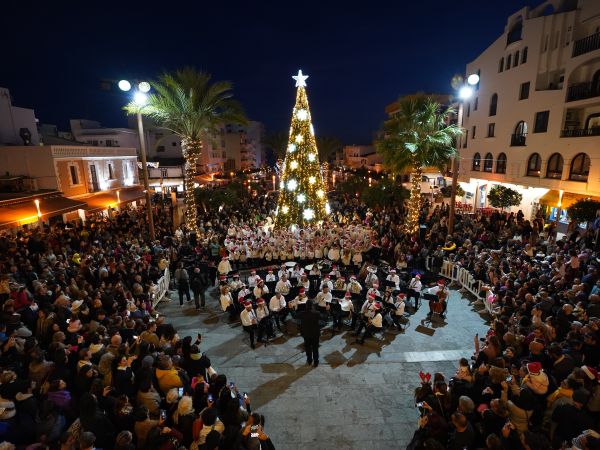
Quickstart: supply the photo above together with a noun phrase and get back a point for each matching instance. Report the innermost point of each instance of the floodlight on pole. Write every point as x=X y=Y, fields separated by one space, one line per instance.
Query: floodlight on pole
x=465 y=92
x=124 y=85
x=473 y=79
x=144 y=86
x=140 y=98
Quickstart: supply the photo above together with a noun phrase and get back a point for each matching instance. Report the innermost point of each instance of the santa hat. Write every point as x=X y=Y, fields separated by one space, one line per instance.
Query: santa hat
x=223 y=277
x=246 y=304
x=236 y=275
x=253 y=272
x=372 y=295
x=270 y=271
x=260 y=301
x=401 y=295
x=353 y=277
x=590 y=372
x=301 y=291
x=377 y=305
x=418 y=276
x=393 y=271
x=342 y=278
x=348 y=295
x=534 y=368
x=334 y=267
x=441 y=282
x=326 y=277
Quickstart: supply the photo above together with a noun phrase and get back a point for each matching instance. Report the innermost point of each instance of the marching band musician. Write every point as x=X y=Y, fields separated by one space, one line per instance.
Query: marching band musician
x=441 y=292
x=249 y=322
x=326 y=282
x=235 y=284
x=270 y=276
x=260 y=290
x=227 y=302
x=335 y=272
x=323 y=298
x=304 y=282
x=354 y=287
x=374 y=289
x=277 y=305
x=283 y=285
x=347 y=305
x=340 y=284
x=299 y=303
x=414 y=290
x=371 y=277
x=372 y=325
x=244 y=292
x=224 y=266
x=394 y=278
x=400 y=306
x=252 y=279
x=265 y=326
x=282 y=271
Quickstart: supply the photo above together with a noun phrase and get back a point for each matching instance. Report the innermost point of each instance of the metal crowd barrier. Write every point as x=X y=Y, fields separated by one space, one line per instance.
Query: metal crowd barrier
x=467 y=281
x=163 y=288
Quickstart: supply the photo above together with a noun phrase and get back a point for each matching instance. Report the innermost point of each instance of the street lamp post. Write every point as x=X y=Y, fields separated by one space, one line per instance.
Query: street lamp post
x=139 y=99
x=464 y=93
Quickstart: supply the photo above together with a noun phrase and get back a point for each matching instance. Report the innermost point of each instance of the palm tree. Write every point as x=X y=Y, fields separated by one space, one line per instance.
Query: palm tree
x=277 y=143
x=189 y=105
x=418 y=135
x=328 y=146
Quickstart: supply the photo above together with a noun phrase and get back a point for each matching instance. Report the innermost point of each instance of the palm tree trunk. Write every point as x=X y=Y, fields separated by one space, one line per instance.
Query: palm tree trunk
x=411 y=224
x=191 y=151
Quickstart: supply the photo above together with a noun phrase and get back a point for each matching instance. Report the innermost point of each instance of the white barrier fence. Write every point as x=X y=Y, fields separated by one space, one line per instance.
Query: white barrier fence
x=467 y=281
x=162 y=288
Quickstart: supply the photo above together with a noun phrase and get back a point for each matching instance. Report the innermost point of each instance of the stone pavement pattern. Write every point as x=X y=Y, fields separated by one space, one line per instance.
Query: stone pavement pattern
x=360 y=397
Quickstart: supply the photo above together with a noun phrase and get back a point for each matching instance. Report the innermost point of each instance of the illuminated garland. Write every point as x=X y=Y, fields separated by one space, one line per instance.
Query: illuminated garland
x=191 y=151
x=411 y=225
x=302 y=193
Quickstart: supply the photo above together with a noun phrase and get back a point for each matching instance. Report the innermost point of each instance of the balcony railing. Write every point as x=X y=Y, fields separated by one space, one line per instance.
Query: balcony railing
x=580 y=132
x=518 y=139
x=587 y=44
x=581 y=91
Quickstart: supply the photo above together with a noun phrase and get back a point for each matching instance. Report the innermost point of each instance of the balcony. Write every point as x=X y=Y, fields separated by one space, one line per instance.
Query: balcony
x=580 y=132
x=518 y=140
x=586 y=45
x=581 y=91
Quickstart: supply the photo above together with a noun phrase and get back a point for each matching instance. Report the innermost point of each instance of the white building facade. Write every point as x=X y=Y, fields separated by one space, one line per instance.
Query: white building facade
x=18 y=126
x=534 y=121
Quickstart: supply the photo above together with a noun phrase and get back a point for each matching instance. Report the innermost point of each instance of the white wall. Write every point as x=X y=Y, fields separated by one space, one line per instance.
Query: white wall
x=12 y=119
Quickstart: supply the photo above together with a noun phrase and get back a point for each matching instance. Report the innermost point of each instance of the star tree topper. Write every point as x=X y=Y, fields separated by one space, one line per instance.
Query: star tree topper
x=300 y=79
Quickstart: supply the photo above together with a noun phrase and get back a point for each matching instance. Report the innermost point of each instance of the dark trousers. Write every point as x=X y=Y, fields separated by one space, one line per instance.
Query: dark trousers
x=279 y=317
x=413 y=294
x=199 y=299
x=250 y=330
x=183 y=288
x=311 y=347
x=265 y=326
x=369 y=331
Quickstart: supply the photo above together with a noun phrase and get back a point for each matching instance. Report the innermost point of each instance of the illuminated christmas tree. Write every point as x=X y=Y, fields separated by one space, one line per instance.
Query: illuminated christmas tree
x=302 y=195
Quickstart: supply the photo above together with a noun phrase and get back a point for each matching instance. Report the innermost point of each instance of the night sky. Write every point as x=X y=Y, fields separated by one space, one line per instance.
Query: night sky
x=359 y=56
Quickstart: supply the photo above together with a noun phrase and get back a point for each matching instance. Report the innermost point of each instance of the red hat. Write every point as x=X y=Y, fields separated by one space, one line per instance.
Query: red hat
x=590 y=372
x=236 y=275
x=301 y=291
x=372 y=295
x=246 y=304
x=534 y=368
x=334 y=267
x=377 y=305
x=342 y=278
x=223 y=277
x=401 y=295
x=253 y=271
x=353 y=277
x=327 y=277
x=393 y=271
x=348 y=294
x=441 y=282
x=260 y=301
x=418 y=275
x=224 y=257
x=270 y=271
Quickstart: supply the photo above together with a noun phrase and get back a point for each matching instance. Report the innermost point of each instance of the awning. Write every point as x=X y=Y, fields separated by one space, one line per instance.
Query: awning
x=110 y=199
x=568 y=198
x=21 y=213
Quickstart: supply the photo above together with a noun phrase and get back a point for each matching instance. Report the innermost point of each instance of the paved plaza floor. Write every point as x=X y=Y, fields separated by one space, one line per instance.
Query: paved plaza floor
x=360 y=397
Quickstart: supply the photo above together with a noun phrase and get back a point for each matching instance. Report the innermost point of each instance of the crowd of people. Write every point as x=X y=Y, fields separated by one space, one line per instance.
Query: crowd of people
x=533 y=380
x=85 y=360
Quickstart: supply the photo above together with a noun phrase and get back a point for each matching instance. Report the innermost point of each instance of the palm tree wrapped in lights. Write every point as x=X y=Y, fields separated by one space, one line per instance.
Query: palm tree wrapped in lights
x=192 y=107
x=418 y=135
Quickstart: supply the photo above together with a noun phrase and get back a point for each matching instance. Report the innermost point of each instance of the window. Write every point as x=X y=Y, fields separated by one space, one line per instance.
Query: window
x=501 y=163
x=111 y=175
x=476 y=104
x=555 y=166
x=74 y=175
x=473 y=131
x=520 y=135
x=534 y=165
x=546 y=43
x=469 y=109
x=580 y=168
x=466 y=139
x=174 y=144
x=524 y=56
x=508 y=61
x=476 y=162
x=501 y=65
x=524 y=92
x=491 y=129
x=164 y=173
x=541 y=122
x=493 y=104
x=488 y=163
x=516 y=59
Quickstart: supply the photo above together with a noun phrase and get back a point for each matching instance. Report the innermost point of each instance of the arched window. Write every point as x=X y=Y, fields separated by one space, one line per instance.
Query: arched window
x=501 y=163
x=534 y=165
x=580 y=167
x=517 y=54
x=520 y=135
x=555 y=166
x=488 y=162
x=501 y=65
x=493 y=104
x=508 y=61
x=524 y=56
x=477 y=162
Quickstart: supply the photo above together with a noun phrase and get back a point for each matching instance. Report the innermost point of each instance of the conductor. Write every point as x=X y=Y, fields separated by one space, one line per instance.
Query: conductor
x=310 y=331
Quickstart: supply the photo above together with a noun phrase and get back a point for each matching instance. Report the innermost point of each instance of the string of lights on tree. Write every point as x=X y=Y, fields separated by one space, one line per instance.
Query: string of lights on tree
x=191 y=150
x=302 y=195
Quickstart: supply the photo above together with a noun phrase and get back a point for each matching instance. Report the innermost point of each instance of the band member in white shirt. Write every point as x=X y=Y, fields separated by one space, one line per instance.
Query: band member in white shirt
x=414 y=290
x=265 y=326
x=323 y=299
x=373 y=324
x=298 y=303
x=236 y=283
x=252 y=279
x=260 y=290
x=374 y=289
x=224 y=266
x=227 y=302
x=244 y=292
x=283 y=285
x=282 y=271
x=249 y=321
x=326 y=282
x=371 y=277
x=394 y=278
x=304 y=282
x=270 y=276
x=354 y=287
x=399 y=312
x=340 y=284
x=278 y=307
x=335 y=272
